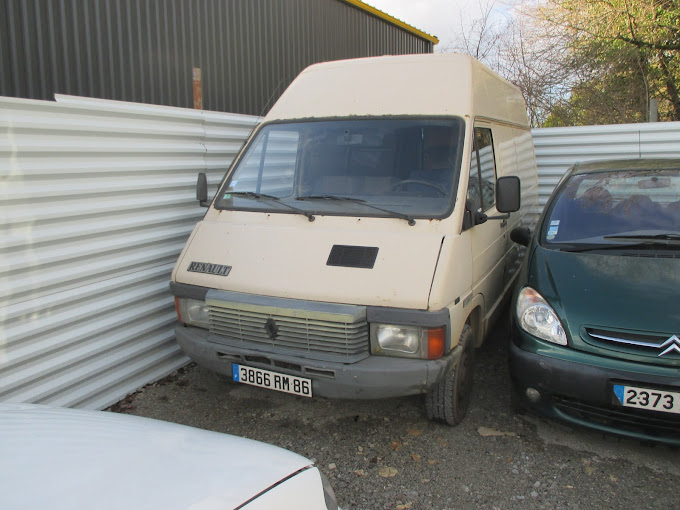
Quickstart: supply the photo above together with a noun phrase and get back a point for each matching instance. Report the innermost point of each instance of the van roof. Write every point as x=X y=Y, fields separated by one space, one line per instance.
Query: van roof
x=425 y=84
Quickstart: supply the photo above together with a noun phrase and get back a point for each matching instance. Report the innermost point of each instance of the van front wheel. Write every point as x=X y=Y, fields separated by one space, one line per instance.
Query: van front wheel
x=449 y=399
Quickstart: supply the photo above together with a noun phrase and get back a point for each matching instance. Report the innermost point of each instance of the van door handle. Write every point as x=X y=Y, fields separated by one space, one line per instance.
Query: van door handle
x=504 y=223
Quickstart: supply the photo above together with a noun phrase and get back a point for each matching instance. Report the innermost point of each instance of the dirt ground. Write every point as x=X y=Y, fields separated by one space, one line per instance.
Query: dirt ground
x=386 y=454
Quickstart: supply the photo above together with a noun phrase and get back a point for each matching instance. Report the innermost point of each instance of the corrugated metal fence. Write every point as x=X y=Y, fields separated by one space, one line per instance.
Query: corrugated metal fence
x=96 y=201
x=558 y=148
x=98 y=198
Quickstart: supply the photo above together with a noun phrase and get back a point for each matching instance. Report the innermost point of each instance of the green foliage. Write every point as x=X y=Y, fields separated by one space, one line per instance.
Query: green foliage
x=622 y=53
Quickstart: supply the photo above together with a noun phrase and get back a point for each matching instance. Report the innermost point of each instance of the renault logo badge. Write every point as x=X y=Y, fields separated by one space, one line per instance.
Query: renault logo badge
x=271 y=328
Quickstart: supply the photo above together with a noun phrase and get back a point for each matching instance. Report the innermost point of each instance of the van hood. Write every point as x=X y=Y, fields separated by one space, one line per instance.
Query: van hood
x=609 y=290
x=293 y=262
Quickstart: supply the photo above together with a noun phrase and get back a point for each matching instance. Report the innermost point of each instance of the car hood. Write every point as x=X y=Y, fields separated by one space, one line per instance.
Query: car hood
x=609 y=290
x=291 y=260
x=69 y=459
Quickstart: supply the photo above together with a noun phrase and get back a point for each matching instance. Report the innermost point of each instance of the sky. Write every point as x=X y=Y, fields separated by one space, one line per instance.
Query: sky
x=441 y=18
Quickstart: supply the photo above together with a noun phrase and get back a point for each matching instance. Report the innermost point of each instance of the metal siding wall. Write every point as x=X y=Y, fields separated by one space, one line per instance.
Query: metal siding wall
x=98 y=199
x=144 y=50
x=558 y=148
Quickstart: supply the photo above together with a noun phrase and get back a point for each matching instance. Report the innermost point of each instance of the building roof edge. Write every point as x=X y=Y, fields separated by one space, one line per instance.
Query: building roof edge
x=391 y=19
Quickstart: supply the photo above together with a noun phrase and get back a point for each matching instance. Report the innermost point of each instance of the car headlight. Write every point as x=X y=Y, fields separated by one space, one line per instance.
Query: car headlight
x=407 y=341
x=192 y=312
x=536 y=317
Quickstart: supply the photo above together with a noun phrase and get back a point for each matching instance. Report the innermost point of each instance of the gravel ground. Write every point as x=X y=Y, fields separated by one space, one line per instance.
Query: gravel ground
x=387 y=455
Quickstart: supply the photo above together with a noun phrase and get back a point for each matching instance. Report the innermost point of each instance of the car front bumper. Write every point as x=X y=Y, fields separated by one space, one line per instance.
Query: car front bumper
x=581 y=392
x=370 y=378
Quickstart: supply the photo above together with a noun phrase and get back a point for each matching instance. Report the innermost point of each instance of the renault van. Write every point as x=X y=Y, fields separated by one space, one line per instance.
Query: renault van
x=358 y=247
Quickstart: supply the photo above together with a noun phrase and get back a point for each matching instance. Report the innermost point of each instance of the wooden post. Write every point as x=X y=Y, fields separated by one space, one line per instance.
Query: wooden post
x=198 y=89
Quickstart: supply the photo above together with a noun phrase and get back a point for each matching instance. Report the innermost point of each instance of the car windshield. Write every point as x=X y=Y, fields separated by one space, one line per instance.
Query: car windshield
x=397 y=167
x=615 y=208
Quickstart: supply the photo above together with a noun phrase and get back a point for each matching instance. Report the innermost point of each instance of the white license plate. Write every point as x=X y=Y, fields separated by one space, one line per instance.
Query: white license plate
x=646 y=398
x=272 y=380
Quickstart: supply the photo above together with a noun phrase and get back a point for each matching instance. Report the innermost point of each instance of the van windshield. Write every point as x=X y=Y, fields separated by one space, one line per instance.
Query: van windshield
x=612 y=209
x=353 y=167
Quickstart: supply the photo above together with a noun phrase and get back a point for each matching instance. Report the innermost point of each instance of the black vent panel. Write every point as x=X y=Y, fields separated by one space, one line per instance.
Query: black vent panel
x=362 y=257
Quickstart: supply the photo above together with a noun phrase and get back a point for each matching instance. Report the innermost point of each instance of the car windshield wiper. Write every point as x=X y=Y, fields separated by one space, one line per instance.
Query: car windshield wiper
x=647 y=237
x=647 y=244
x=260 y=196
x=393 y=214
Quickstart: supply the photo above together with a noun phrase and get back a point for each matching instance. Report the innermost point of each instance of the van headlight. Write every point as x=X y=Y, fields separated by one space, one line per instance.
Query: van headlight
x=192 y=312
x=537 y=317
x=407 y=341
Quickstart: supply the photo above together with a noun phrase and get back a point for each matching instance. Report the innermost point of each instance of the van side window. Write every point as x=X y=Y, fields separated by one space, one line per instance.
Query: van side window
x=482 y=183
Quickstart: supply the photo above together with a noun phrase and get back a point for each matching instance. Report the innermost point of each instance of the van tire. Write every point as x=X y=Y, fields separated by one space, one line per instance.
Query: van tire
x=449 y=399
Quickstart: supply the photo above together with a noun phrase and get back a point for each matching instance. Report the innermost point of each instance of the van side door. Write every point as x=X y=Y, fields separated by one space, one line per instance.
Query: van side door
x=486 y=238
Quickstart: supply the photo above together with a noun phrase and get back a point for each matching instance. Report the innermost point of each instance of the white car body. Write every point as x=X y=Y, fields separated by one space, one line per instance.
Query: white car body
x=72 y=459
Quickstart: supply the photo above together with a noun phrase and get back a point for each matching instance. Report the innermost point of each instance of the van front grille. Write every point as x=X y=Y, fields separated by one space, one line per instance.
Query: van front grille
x=314 y=338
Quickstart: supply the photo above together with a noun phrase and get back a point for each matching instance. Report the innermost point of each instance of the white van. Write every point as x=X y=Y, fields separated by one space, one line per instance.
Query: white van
x=359 y=245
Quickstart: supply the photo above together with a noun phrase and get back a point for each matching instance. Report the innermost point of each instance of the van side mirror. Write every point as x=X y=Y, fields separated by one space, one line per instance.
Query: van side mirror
x=202 y=190
x=472 y=215
x=521 y=235
x=508 y=190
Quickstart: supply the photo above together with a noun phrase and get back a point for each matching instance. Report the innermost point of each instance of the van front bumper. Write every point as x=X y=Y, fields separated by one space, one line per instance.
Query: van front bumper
x=370 y=378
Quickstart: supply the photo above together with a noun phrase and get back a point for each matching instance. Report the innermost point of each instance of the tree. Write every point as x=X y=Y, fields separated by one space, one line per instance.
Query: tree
x=521 y=48
x=624 y=52
x=583 y=61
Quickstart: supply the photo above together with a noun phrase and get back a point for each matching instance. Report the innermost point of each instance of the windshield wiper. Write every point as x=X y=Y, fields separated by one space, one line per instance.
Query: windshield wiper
x=260 y=196
x=647 y=244
x=647 y=237
x=393 y=214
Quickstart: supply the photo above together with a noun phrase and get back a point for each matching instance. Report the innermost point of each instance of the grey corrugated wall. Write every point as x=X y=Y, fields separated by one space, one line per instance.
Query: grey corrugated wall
x=144 y=50
x=97 y=199
x=558 y=148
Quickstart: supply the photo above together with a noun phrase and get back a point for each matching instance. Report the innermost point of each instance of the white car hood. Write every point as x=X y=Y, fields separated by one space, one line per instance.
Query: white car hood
x=291 y=261
x=68 y=459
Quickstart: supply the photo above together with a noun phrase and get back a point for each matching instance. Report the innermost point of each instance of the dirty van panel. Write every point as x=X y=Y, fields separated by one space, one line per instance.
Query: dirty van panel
x=488 y=243
x=293 y=262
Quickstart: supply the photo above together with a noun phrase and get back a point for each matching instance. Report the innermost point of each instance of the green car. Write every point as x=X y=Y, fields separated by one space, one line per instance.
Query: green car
x=596 y=313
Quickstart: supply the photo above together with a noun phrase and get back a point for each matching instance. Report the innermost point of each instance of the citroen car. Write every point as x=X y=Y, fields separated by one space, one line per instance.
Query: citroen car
x=595 y=319
x=74 y=459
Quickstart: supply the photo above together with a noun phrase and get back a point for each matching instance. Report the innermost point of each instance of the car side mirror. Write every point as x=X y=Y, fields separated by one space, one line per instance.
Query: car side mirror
x=202 y=190
x=508 y=191
x=521 y=235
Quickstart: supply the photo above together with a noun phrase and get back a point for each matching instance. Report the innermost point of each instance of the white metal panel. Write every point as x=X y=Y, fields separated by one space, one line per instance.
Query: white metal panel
x=97 y=199
x=558 y=148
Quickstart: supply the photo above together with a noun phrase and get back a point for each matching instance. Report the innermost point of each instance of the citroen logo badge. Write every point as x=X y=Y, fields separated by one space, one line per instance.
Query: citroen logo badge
x=271 y=328
x=672 y=345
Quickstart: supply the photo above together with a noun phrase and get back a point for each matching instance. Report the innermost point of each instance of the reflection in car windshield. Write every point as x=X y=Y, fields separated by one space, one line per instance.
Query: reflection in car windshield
x=403 y=167
x=616 y=207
